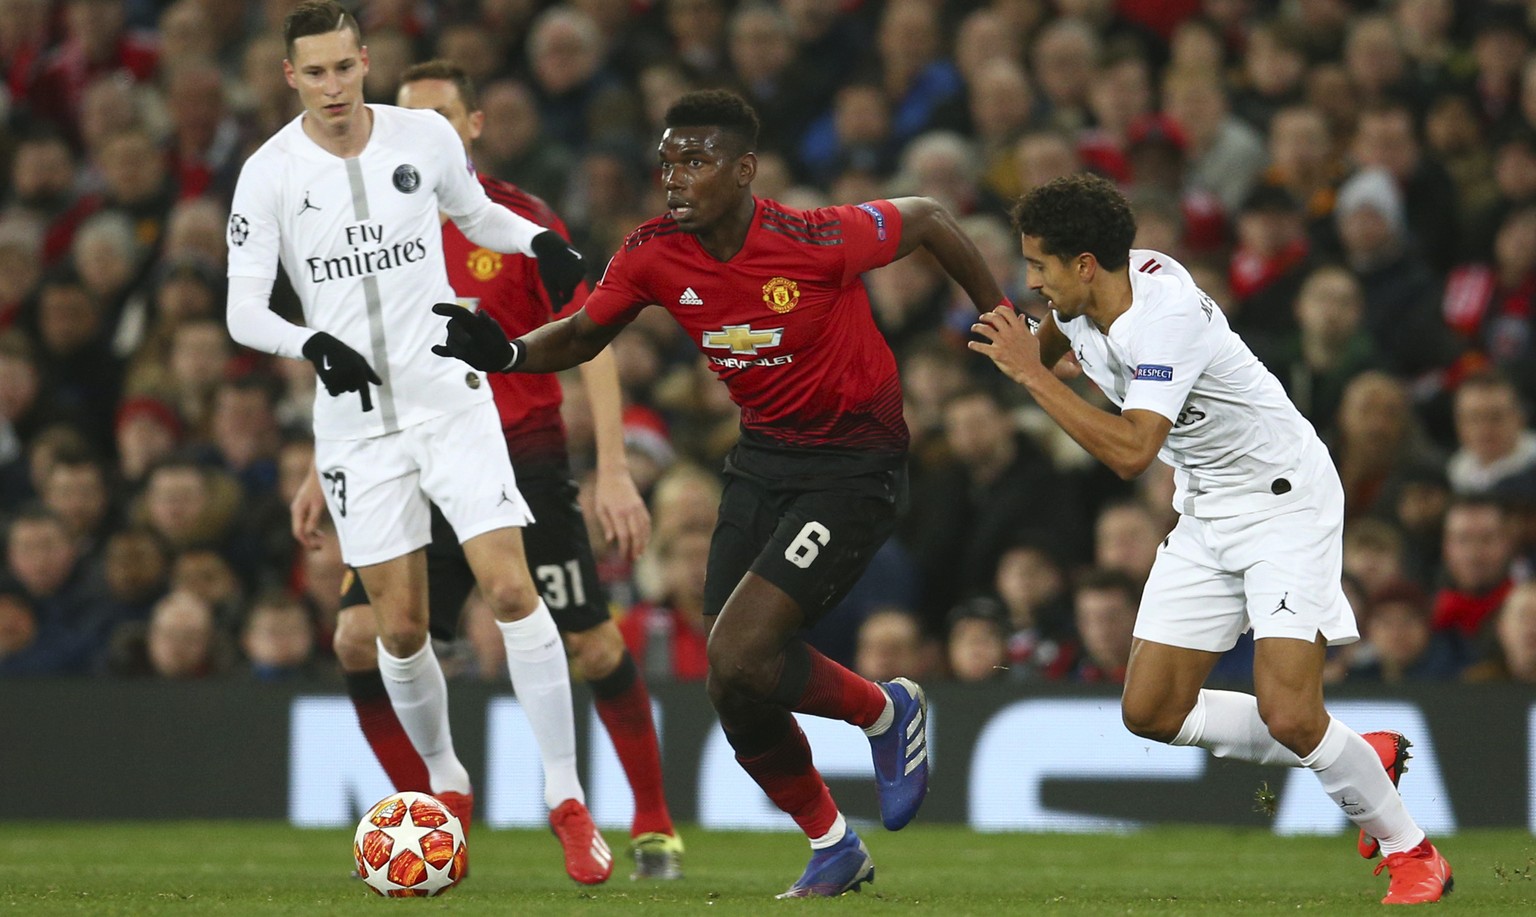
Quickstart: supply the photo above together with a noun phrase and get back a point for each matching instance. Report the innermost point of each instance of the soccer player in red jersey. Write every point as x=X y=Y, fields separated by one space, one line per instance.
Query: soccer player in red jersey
x=509 y=288
x=772 y=296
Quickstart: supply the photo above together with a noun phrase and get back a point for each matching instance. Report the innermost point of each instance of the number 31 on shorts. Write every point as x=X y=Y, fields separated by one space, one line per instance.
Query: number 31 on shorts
x=803 y=550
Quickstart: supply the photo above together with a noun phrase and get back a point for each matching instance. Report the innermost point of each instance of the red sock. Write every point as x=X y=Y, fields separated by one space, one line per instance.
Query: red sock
x=626 y=713
x=786 y=774
x=837 y=693
x=385 y=735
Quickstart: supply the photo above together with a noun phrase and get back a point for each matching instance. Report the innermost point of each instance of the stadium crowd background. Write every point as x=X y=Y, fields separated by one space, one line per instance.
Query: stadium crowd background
x=1354 y=182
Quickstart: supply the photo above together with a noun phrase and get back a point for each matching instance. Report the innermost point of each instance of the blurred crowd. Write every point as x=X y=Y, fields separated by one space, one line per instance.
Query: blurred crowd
x=1353 y=181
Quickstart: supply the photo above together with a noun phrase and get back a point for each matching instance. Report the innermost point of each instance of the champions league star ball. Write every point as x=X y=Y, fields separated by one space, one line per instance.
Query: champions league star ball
x=410 y=846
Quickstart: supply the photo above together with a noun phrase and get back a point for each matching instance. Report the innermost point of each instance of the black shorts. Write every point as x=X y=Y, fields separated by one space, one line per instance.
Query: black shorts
x=807 y=521
x=559 y=557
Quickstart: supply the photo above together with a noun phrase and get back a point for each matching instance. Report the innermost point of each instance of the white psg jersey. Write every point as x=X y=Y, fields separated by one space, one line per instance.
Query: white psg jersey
x=361 y=241
x=1238 y=444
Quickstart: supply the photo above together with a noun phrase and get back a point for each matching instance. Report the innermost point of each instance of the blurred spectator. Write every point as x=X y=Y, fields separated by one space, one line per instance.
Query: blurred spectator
x=697 y=31
x=1376 y=442
x=1303 y=161
x=668 y=636
x=1515 y=630
x=147 y=431
x=135 y=572
x=389 y=54
x=265 y=101
x=977 y=648
x=75 y=360
x=188 y=505
x=998 y=488
x=1387 y=138
x=1155 y=158
x=1499 y=45
x=205 y=573
x=1001 y=105
x=1104 y=609
x=181 y=641
x=207 y=145
x=1478 y=552
x=1455 y=135
x=1329 y=348
x=1403 y=646
x=21 y=253
x=1273 y=66
x=24 y=27
x=43 y=188
x=1033 y=591
x=891 y=643
x=71 y=630
x=1490 y=305
x=1491 y=433
x=1126 y=538
x=77 y=489
x=186 y=35
x=278 y=639
x=565 y=54
x=1064 y=55
x=18 y=632
x=1119 y=94
x=1374 y=556
x=762 y=51
x=96 y=45
x=245 y=433
x=944 y=166
x=920 y=83
x=1224 y=154
x=1272 y=256
x=855 y=136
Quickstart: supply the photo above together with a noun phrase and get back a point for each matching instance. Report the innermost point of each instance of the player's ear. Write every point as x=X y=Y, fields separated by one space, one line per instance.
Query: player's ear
x=476 y=124
x=1087 y=267
x=288 y=74
x=362 y=55
x=746 y=169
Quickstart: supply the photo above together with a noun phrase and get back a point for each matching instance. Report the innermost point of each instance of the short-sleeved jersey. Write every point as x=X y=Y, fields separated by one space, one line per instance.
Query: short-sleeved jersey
x=361 y=242
x=785 y=323
x=1234 y=430
x=508 y=287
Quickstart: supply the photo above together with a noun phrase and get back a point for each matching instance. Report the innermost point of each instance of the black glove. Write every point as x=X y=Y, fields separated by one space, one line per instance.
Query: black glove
x=560 y=266
x=341 y=368
x=475 y=338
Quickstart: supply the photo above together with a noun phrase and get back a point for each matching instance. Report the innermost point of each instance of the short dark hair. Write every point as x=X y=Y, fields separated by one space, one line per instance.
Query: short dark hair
x=719 y=108
x=1077 y=214
x=1108 y=579
x=317 y=17
x=440 y=69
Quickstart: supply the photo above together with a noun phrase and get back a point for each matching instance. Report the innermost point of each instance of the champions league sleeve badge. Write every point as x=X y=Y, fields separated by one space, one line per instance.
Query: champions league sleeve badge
x=407 y=179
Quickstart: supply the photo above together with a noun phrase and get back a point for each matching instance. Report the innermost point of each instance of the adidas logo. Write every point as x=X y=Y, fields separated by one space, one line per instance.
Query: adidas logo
x=689 y=298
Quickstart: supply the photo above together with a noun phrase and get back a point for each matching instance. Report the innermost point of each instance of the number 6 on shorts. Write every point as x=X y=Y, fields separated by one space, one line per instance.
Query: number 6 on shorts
x=803 y=550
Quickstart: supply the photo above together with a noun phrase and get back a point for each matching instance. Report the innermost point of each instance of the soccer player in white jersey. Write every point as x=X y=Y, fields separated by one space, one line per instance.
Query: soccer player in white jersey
x=1259 y=540
x=347 y=197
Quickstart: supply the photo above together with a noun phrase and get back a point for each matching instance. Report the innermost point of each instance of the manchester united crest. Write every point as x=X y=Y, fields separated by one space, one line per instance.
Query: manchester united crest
x=484 y=264
x=781 y=294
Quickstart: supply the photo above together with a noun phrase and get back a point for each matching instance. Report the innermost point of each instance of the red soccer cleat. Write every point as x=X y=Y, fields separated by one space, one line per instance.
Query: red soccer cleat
x=587 y=857
x=1392 y=749
x=462 y=805
x=1419 y=876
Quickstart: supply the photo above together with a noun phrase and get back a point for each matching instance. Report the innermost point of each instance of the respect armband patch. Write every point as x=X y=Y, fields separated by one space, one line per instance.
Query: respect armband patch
x=1152 y=372
x=875 y=212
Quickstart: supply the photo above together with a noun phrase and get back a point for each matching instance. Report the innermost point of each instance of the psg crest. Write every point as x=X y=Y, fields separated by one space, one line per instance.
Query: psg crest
x=781 y=294
x=407 y=179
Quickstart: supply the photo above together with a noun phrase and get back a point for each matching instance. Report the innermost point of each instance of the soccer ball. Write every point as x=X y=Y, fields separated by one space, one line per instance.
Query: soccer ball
x=410 y=846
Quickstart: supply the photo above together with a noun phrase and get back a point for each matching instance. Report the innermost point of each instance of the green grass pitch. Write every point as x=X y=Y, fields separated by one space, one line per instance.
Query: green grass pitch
x=262 y=868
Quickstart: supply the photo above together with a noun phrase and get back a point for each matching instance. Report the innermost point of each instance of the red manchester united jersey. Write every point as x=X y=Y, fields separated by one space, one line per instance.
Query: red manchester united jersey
x=785 y=323
x=509 y=289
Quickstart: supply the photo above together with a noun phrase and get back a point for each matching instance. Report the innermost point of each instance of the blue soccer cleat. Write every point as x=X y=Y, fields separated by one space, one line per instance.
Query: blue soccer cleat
x=901 y=755
x=840 y=868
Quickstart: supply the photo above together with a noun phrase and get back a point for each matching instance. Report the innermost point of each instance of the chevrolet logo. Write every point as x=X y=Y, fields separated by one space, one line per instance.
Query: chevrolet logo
x=742 y=339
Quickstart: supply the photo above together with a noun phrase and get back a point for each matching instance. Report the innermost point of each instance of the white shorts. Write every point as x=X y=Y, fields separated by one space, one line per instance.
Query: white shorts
x=1278 y=574
x=378 y=488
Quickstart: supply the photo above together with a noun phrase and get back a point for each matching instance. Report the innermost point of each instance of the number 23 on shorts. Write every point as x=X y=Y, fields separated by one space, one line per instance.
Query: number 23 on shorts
x=803 y=550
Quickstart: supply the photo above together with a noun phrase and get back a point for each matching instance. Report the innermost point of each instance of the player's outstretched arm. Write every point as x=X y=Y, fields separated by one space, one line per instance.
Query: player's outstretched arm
x=925 y=223
x=1127 y=443
x=475 y=338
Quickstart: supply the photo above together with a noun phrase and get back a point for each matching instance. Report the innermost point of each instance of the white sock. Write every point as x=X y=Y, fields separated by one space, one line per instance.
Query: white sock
x=419 y=694
x=834 y=835
x=1227 y=724
x=542 y=679
x=887 y=717
x=1352 y=776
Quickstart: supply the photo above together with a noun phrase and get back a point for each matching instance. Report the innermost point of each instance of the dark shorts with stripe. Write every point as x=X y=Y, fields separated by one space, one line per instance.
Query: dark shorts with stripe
x=559 y=556
x=806 y=520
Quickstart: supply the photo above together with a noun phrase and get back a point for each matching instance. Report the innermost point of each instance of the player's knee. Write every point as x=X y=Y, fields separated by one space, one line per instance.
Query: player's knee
x=1149 y=722
x=511 y=596
x=596 y=652
x=1298 y=729
x=355 y=639
x=744 y=673
x=403 y=638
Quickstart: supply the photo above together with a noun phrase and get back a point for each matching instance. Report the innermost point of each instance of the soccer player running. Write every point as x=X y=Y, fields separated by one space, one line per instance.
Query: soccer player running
x=558 y=551
x=772 y=296
x=1259 y=539
x=347 y=196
